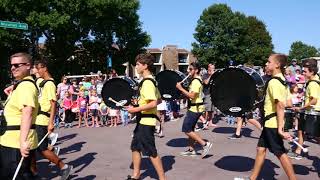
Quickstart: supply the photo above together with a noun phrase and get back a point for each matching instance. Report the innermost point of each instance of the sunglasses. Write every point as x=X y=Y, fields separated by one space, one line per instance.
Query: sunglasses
x=17 y=65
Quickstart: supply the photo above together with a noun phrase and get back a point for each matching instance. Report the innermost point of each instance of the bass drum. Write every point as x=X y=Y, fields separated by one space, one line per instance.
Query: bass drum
x=167 y=81
x=120 y=89
x=235 y=91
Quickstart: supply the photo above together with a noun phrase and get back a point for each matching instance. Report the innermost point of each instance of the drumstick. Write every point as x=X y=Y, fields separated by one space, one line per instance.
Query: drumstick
x=116 y=102
x=185 y=78
x=22 y=158
x=303 y=149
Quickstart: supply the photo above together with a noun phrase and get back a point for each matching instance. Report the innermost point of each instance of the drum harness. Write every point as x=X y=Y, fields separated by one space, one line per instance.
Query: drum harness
x=139 y=114
x=41 y=85
x=3 y=123
x=189 y=101
x=260 y=105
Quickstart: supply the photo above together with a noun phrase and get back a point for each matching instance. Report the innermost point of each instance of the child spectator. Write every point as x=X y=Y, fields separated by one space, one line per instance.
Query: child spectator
x=94 y=107
x=82 y=102
x=66 y=105
x=124 y=116
x=113 y=113
x=103 y=109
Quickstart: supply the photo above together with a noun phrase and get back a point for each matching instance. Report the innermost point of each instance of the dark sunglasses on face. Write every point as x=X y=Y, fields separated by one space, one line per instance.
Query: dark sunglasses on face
x=17 y=65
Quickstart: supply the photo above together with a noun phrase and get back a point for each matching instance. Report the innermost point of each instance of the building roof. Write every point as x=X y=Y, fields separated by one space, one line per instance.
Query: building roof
x=154 y=50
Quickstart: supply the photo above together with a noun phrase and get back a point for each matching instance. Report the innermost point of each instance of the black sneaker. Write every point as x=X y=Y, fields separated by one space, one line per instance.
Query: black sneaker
x=234 y=136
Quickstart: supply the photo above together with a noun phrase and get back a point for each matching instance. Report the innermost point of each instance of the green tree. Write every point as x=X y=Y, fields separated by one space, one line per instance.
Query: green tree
x=299 y=50
x=81 y=29
x=222 y=35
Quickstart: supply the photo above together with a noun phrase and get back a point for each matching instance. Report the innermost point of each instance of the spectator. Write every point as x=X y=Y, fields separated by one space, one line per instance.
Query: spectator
x=62 y=88
x=66 y=105
x=294 y=66
x=99 y=85
x=290 y=77
x=87 y=85
x=82 y=102
x=94 y=107
x=103 y=110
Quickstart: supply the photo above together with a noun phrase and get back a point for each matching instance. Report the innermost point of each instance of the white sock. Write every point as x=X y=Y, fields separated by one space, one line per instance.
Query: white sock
x=65 y=166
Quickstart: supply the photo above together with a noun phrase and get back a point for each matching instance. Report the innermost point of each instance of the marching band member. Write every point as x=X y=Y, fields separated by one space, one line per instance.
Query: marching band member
x=143 y=139
x=194 y=112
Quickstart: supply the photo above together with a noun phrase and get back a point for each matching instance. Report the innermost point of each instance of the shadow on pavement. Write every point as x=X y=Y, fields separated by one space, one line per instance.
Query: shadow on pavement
x=66 y=138
x=73 y=148
x=299 y=169
x=246 y=132
x=315 y=163
x=178 y=142
x=89 y=177
x=244 y=164
x=224 y=130
x=167 y=162
x=83 y=161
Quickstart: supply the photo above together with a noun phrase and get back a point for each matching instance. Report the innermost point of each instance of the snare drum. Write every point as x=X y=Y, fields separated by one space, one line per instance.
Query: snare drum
x=312 y=123
x=235 y=90
x=167 y=81
x=289 y=119
x=119 y=89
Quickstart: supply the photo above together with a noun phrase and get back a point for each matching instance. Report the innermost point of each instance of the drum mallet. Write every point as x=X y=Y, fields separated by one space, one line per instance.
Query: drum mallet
x=116 y=102
x=185 y=78
x=22 y=158
x=303 y=149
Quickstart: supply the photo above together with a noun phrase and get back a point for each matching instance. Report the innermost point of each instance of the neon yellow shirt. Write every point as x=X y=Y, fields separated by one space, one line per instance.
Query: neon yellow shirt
x=26 y=94
x=46 y=95
x=148 y=92
x=197 y=88
x=275 y=91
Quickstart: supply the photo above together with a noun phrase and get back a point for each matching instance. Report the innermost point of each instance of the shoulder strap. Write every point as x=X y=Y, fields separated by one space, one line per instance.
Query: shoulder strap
x=265 y=118
x=318 y=82
x=32 y=81
x=151 y=79
x=283 y=82
x=197 y=80
x=41 y=85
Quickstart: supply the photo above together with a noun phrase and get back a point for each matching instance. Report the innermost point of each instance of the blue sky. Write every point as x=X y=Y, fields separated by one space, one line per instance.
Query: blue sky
x=173 y=21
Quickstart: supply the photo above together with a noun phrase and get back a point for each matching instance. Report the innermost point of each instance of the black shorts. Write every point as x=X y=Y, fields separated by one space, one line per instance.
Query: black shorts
x=41 y=132
x=143 y=140
x=301 y=122
x=190 y=121
x=94 y=112
x=9 y=160
x=272 y=140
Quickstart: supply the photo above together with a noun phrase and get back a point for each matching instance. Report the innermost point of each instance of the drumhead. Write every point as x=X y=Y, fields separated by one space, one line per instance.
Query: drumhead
x=167 y=81
x=233 y=91
x=119 y=89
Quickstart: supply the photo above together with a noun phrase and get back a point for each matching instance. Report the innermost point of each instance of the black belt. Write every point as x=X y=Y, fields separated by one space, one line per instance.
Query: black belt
x=17 y=127
x=44 y=113
x=149 y=116
x=196 y=104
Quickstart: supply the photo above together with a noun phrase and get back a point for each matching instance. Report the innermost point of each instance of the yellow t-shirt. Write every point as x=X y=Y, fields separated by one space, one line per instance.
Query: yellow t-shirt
x=148 y=92
x=26 y=94
x=313 y=90
x=275 y=91
x=46 y=94
x=197 y=88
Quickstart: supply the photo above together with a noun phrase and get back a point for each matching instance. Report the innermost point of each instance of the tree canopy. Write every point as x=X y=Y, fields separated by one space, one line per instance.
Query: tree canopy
x=88 y=31
x=300 y=50
x=222 y=35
